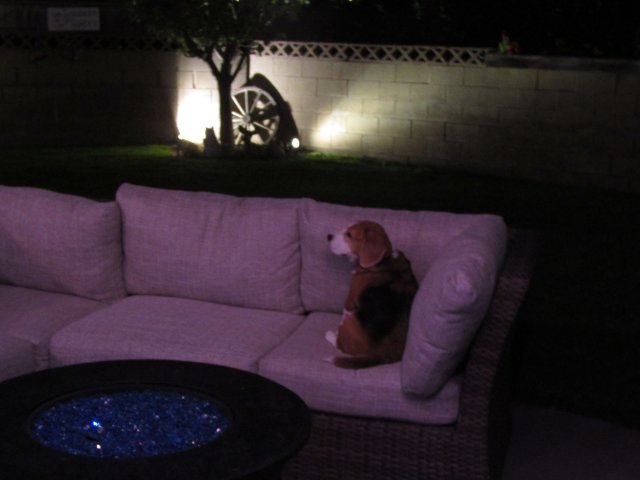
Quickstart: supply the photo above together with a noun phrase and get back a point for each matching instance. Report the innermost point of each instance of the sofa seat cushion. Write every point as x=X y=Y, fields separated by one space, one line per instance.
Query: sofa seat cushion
x=212 y=247
x=34 y=316
x=16 y=357
x=300 y=364
x=152 y=327
x=60 y=243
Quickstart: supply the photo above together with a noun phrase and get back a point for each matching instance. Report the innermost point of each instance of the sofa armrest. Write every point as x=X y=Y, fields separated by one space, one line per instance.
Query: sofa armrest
x=484 y=402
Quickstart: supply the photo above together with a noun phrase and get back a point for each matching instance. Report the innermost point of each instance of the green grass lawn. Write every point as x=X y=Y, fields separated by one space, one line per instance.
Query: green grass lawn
x=577 y=337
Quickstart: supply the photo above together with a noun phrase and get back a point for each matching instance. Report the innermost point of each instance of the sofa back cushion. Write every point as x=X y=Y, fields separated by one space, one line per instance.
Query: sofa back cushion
x=455 y=258
x=420 y=235
x=60 y=243
x=211 y=247
x=450 y=305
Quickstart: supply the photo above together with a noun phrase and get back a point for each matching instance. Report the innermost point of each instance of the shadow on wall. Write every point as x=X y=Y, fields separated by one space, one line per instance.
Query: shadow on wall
x=287 y=129
x=86 y=97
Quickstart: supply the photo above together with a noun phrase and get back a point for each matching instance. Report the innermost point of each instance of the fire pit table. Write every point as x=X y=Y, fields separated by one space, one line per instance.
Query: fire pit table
x=147 y=419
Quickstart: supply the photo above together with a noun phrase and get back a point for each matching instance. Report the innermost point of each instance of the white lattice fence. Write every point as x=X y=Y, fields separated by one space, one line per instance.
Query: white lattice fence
x=367 y=53
x=335 y=51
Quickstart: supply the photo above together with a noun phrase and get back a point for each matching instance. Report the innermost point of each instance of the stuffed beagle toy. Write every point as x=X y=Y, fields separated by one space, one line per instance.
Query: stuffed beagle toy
x=375 y=318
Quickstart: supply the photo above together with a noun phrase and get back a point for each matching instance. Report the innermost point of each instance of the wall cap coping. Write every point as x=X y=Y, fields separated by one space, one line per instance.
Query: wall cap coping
x=561 y=63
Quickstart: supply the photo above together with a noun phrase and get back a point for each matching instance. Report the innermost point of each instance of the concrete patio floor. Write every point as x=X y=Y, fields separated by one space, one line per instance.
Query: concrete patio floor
x=553 y=445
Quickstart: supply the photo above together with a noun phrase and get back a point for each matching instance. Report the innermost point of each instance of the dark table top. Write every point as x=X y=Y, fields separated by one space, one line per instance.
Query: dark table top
x=268 y=423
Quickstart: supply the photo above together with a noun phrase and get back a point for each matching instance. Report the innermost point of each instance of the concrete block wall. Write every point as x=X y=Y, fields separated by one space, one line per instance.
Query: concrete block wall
x=87 y=97
x=567 y=126
x=573 y=126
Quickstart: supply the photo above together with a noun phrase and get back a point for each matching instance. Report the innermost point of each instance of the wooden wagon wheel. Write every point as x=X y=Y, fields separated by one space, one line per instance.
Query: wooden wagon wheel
x=255 y=116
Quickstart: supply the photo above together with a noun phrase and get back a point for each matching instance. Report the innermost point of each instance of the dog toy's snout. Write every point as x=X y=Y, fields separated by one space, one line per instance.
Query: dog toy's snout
x=330 y=237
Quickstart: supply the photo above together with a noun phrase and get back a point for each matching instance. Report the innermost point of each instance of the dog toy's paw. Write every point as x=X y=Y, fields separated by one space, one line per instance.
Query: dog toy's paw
x=332 y=338
x=328 y=360
x=346 y=313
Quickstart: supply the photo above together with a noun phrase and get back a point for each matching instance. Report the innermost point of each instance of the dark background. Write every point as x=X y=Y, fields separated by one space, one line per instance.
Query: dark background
x=590 y=28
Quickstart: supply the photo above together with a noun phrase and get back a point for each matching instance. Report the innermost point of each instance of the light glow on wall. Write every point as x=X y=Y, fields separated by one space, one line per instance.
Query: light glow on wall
x=195 y=113
x=328 y=129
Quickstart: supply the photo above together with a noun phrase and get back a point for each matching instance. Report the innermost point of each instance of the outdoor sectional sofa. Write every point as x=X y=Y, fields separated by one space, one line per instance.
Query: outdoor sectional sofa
x=250 y=283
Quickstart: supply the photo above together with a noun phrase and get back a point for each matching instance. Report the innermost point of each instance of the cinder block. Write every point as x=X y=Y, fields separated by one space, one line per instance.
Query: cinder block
x=308 y=103
x=305 y=120
x=449 y=152
x=8 y=75
x=501 y=77
x=365 y=124
x=577 y=81
x=446 y=75
x=539 y=100
x=301 y=86
x=365 y=89
x=427 y=129
x=457 y=132
x=618 y=105
x=428 y=93
x=570 y=118
x=281 y=84
x=204 y=79
x=350 y=71
x=628 y=83
x=396 y=91
x=349 y=142
x=379 y=107
x=319 y=68
x=411 y=110
x=185 y=79
x=482 y=96
x=395 y=127
x=287 y=66
x=479 y=114
x=516 y=116
x=140 y=77
x=34 y=74
x=263 y=65
x=347 y=105
x=329 y=125
x=407 y=72
x=378 y=144
x=411 y=147
x=109 y=73
x=190 y=63
x=380 y=72
x=327 y=87
x=444 y=112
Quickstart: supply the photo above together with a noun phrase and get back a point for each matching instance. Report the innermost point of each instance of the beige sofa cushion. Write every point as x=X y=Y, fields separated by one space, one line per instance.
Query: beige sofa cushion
x=450 y=305
x=148 y=327
x=300 y=363
x=206 y=246
x=60 y=243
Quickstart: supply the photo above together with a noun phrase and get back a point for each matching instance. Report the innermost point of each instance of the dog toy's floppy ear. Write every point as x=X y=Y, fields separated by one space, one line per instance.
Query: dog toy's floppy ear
x=375 y=247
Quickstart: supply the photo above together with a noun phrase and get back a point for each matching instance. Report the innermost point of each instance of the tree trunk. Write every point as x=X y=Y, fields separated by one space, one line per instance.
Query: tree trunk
x=226 y=125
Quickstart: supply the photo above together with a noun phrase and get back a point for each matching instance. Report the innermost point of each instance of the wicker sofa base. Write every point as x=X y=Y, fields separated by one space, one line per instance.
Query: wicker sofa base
x=354 y=448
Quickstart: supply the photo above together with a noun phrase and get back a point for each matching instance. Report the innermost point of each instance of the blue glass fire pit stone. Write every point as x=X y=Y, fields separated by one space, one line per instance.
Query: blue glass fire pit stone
x=130 y=423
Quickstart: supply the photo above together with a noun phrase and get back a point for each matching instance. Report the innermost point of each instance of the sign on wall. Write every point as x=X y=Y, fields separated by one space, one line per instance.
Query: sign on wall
x=73 y=19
